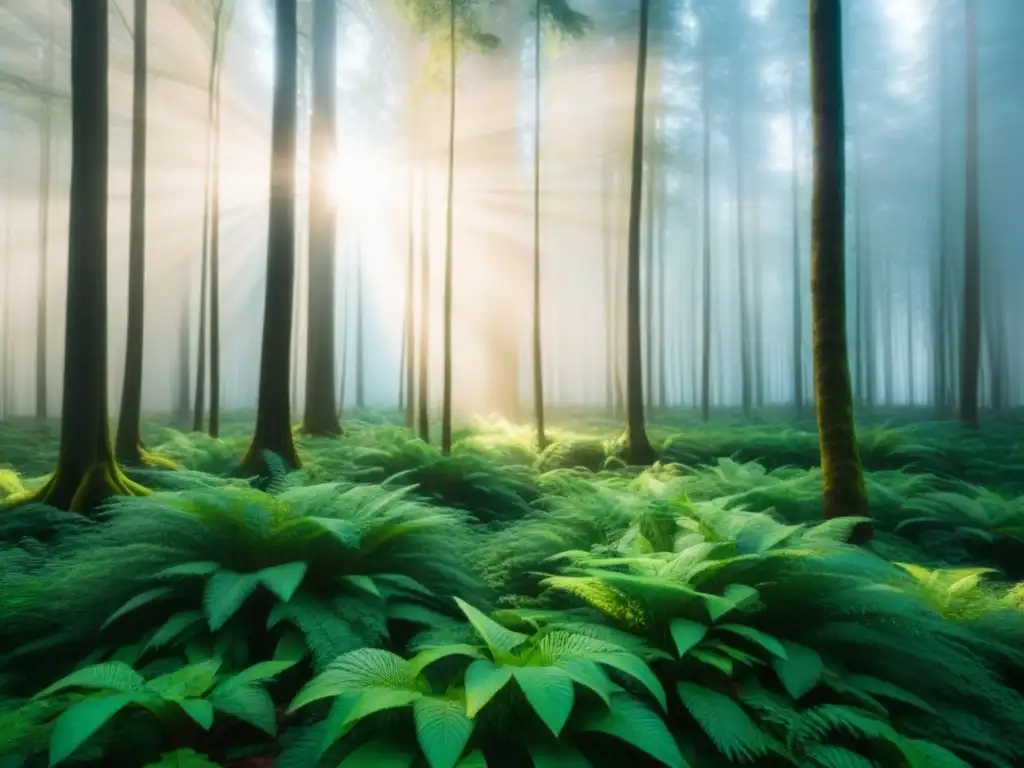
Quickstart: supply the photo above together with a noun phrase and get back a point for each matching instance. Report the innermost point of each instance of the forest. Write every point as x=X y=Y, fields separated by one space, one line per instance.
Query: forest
x=511 y=383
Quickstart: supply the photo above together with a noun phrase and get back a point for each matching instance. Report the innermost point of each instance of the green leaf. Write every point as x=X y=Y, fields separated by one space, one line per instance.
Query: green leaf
x=927 y=754
x=630 y=721
x=264 y=670
x=188 y=682
x=557 y=756
x=364 y=583
x=686 y=634
x=355 y=671
x=184 y=758
x=202 y=568
x=248 y=702
x=374 y=700
x=199 y=710
x=498 y=638
x=590 y=675
x=141 y=599
x=483 y=680
x=736 y=596
x=550 y=693
x=827 y=756
x=630 y=665
x=425 y=658
x=110 y=676
x=800 y=671
x=291 y=647
x=725 y=722
x=766 y=641
x=225 y=593
x=442 y=728
x=876 y=687
x=474 y=759
x=380 y=754
x=282 y=580
x=172 y=629
x=80 y=721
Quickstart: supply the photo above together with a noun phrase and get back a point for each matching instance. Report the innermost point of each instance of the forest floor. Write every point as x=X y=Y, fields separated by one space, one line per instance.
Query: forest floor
x=692 y=613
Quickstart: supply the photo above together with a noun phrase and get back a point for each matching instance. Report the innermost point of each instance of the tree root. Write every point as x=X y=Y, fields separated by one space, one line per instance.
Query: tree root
x=101 y=481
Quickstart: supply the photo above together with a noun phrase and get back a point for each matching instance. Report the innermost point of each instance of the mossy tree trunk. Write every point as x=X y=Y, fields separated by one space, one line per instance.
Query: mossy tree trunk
x=273 y=418
x=638 y=447
x=128 y=446
x=446 y=392
x=86 y=470
x=970 y=357
x=321 y=413
x=538 y=366
x=844 y=492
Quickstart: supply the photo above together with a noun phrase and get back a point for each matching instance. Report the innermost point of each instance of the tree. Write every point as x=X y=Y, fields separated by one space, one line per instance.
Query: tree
x=86 y=471
x=970 y=358
x=321 y=416
x=538 y=371
x=798 y=315
x=705 y=369
x=6 y=392
x=638 y=447
x=45 y=162
x=273 y=420
x=843 y=482
x=446 y=394
x=422 y=396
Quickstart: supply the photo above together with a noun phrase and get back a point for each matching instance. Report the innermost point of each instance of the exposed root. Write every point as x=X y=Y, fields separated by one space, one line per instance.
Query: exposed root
x=103 y=480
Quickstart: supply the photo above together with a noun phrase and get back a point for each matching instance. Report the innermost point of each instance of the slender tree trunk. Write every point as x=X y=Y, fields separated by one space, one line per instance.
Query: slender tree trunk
x=321 y=412
x=911 y=355
x=705 y=383
x=273 y=419
x=870 y=305
x=409 y=348
x=639 y=448
x=129 y=439
x=858 y=229
x=609 y=284
x=86 y=470
x=215 y=197
x=45 y=172
x=971 y=344
x=844 y=491
x=759 y=357
x=648 y=280
x=940 y=386
x=423 y=400
x=184 y=385
x=888 y=346
x=343 y=375
x=798 y=319
x=746 y=374
x=538 y=368
x=446 y=401
x=360 y=331
x=6 y=391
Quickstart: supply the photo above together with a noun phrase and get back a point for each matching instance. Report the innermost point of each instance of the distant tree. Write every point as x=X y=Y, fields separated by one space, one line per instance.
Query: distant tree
x=87 y=471
x=6 y=391
x=798 y=313
x=273 y=421
x=446 y=392
x=705 y=367
x=360 y=330
x=321 y=416
x=638 y=446
x=970 y=358
x=843 y=482
x=45 y=172
x=422 y=398
x=408 y=374
x=538 y=370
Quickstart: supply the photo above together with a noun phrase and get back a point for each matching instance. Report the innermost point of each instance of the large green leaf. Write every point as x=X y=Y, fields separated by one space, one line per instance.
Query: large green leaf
x=425 y=658
x=828 y=756
x=483 y=680
x=442 y=728
x=283 y=580
x=82 y=720
x=725 y=722
x=264 y=670
x=766 y=641
x=248 y=702
x=686 y=634
x=630 y=665
x=630 y=721
x=173 y=628
x=373 y=700
x=110 y=676
x=927 y=754
x=474 y=759
x=141 y=599
x=380 y=754
x=355 y=671
x=590 y=675
x=498 y=638
x=200 y=711
x=190 y=681
x=800 y=671
x=557 y=756
x=225 y=592
x=200 y=568
x=183 y=758
x=549 y=691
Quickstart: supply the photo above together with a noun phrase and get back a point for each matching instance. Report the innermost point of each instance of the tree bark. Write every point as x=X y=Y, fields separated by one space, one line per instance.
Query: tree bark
x=6 y=392
x=321 y=412
x=446 y=396
x=129 y=439
x=843 y=483
x=638 y=446
x=971 y=344
x=273 y=419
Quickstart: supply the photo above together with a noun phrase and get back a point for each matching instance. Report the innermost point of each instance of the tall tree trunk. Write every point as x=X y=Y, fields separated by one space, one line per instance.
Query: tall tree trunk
x=184 y=385
x=759 y=356
x=888 y=346
x=661 y=322
x=446 y=394
x=346 y=296
x=911 y=355
x=423 y=400
x=970 y=359
x=6 y=391
x=45 y=172
x=199 y=406
x=705 y=381
x=798 y=316
x=941 y=287
x=639 y=448
x=86 y=470
x=746 y=384
x=360 y=330
x=273 y=419
x=843 y=482
x=648 y=279
x=321 y=412
x=870 y=304
x=128 y=446
x=214 y=424
x=609 y=284
x=409 y=348
x=538 y=368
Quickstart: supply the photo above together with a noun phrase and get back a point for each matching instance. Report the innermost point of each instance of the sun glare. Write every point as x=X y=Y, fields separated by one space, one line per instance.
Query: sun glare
x=361 y=182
